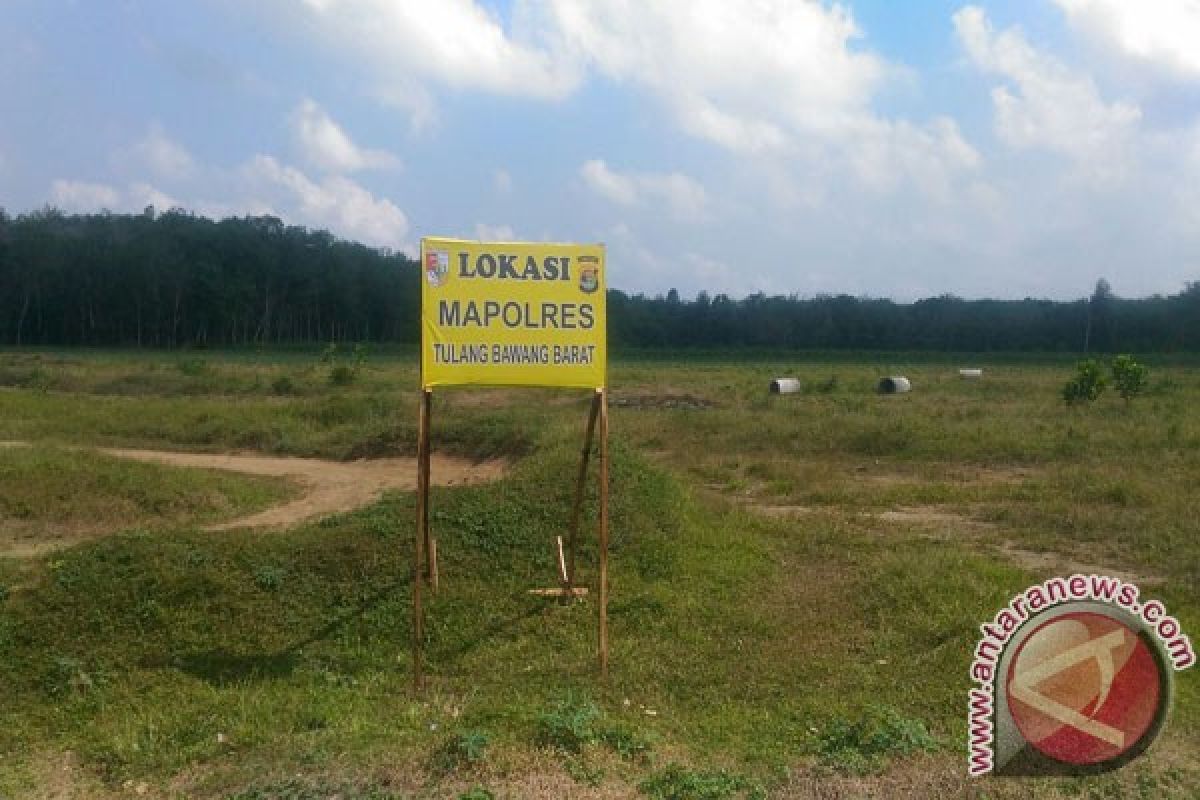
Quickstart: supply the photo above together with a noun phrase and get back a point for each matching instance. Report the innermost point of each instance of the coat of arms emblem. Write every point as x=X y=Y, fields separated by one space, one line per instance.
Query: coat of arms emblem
x=437 y=267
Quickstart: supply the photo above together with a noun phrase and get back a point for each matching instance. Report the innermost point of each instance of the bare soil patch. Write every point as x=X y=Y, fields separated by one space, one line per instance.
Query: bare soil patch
x=920 y=777
x=781 y=511
x=994 y=475
x=1052 y=563
x=941 y=519
x=967 y=475
x=506 y=398
x=680 y=400
x=26 y=540
x=329 y=486
x=942 y=523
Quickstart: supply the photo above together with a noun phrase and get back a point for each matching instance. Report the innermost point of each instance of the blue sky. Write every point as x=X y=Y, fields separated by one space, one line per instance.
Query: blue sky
x=890 y=149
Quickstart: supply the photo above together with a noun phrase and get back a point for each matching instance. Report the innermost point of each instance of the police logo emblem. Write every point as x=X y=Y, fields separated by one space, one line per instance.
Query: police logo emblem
x=589 y=276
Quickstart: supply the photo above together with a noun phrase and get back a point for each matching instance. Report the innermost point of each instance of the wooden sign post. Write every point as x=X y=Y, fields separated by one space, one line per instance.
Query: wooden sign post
x=514 y=314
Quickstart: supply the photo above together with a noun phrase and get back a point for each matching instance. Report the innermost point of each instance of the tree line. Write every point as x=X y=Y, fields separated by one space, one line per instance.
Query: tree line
x=176 y=279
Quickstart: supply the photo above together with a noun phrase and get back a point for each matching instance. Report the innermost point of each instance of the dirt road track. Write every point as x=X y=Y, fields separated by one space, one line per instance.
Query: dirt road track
x=329 y=486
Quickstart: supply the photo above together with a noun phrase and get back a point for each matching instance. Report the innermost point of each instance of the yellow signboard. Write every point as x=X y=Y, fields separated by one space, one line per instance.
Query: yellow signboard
x=513 y=314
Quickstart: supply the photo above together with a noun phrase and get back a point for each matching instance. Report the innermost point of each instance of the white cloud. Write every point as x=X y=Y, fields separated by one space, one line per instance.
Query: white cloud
x=325 y=145
x=408 y=95
x=718 y=277
x=158 y=154
x=683 y=196
x=744 y=75
x=494 y=233
x=335 y=202
x=930 y=157
x=785 y=79
x=1053 y=107
x=83 y=196
x=628 y=251
x=602 y=180
x=140 y=195
x=263 y=185
x=639 y=266
x=780 y=80
x=1165 y=33
x=457 y=43
x=771 y=77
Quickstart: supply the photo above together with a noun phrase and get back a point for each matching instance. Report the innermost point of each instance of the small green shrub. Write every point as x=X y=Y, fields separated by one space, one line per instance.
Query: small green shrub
x=269 y=578
x=576 y=722
x=193 y=367
x=37 y=379
x=283 y=385
x=679 y=783
x=570 y=725
x=861 y=745
x=149 y=613
x=627 y=743
x=477 y=793
x=342 y=375
x=343 y=367
x=1129 y=377
x=1087 y=385
x=465 y=749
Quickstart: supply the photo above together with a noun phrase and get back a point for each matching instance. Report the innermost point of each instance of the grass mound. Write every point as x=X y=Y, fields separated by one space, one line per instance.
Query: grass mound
x=51 y=496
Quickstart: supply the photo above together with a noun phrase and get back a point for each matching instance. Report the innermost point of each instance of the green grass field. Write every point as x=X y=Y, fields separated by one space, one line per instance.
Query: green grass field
x=797 y=582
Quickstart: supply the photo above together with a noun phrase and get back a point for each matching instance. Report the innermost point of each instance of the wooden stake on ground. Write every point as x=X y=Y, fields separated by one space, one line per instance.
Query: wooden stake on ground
x=558 y=591
x=418 y=577
x=430 y=547
x=562 y=565
x=603 y=590
x=580 y=484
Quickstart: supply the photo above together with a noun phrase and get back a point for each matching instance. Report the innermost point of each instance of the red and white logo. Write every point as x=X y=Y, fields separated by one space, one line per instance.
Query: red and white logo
x=1074 y=676
x=1084 y=688
x=437 y=267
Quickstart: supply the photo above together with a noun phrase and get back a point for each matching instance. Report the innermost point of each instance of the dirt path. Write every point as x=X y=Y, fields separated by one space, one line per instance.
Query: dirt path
x=329 y=486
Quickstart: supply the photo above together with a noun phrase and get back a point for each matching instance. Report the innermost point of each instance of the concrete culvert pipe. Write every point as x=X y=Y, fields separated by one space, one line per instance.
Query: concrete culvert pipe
x=972 y=373
x=785 y=386
x=895 y=384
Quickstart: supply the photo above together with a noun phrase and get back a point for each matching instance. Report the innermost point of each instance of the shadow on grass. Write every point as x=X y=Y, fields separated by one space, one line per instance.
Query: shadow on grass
x=221 y=668
x=498 y=627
